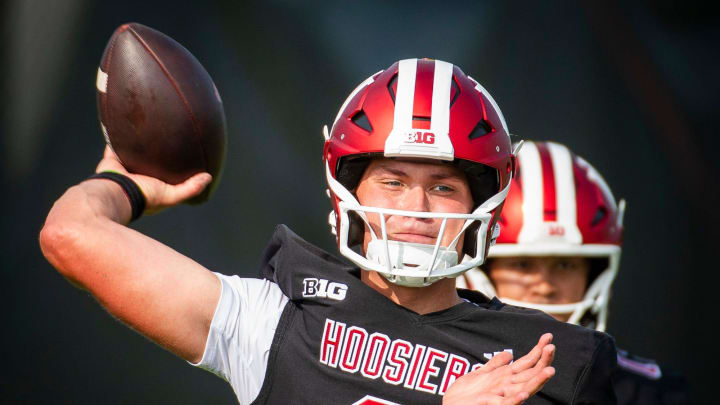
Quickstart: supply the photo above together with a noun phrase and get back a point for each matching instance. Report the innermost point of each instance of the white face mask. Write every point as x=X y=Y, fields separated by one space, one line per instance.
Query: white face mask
x=412 y=264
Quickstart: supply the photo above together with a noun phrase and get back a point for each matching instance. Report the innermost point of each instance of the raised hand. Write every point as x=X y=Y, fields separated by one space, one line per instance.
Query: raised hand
x=500 y=382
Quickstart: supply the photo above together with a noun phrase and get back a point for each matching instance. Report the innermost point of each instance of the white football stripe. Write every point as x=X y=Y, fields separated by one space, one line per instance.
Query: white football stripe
x=532 y=189
x=565 y=199
x=405 y=96
x=101 y=81
x=440 y=119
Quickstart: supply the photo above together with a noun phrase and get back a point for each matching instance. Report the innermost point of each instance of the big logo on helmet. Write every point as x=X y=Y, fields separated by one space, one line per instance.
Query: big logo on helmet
x=556 y=230
x=421 y=137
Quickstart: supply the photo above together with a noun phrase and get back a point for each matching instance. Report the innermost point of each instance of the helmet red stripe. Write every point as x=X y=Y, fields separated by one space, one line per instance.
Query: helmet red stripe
x=422 y=104
x=548 y=179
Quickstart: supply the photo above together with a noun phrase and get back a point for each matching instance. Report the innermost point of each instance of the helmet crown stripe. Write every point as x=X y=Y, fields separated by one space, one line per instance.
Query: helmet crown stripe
x=532 y=189
x=440 y=120
x=405 y=96
x=565 y=191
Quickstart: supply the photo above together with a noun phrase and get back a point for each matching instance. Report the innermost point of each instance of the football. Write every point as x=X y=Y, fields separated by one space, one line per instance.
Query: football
x=159 y=109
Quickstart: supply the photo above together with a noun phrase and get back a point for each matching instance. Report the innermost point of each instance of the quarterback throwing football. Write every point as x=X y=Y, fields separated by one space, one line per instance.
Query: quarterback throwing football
x=418 y=164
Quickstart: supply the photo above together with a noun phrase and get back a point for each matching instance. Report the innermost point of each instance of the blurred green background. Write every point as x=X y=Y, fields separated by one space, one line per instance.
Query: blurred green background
x=633 y=88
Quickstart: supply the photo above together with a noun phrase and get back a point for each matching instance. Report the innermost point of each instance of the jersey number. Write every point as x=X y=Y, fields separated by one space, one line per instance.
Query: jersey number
x=370 y=400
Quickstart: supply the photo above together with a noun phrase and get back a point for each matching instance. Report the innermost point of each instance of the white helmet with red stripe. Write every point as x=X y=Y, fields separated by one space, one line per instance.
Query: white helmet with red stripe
x=418 y=109
x=559 y=205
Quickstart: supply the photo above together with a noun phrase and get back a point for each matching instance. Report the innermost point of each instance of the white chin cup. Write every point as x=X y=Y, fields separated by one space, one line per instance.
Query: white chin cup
x=408 y=260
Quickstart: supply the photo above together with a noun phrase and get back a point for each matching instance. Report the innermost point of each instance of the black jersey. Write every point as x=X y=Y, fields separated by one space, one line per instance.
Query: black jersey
x=341 y=342
x=640 y=381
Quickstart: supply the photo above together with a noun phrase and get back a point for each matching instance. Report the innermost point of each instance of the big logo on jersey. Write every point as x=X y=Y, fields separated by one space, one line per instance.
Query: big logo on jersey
x=319 y=287
x=395 y=361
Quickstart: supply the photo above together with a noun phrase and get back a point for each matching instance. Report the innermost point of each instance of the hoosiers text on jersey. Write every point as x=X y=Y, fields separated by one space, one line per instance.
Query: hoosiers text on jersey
x=396 y=361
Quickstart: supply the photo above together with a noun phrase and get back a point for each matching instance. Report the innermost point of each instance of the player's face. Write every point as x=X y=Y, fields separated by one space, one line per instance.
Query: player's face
x=540 y=280
x=414 y=186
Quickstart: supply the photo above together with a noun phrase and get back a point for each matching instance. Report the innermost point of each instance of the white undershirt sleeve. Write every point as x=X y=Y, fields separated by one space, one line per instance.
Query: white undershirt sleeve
x=241 y=333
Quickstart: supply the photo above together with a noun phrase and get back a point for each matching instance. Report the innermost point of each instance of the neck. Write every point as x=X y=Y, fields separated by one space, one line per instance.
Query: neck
x=437 y=296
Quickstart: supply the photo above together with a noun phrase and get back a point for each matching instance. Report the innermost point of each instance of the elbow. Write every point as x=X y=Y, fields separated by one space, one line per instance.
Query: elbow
x=58 y=243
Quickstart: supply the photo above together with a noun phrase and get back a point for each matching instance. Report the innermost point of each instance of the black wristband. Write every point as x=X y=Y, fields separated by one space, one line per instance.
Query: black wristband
x=133 y=192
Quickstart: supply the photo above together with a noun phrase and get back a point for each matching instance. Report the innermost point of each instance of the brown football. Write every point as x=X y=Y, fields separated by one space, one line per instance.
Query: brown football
x=159 y=109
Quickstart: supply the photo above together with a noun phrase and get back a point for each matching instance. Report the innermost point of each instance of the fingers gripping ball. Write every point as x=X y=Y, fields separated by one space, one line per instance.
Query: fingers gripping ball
x=159 y=109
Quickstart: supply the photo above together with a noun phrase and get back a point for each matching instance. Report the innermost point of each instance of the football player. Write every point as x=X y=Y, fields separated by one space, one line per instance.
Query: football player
x=559 y=252
x=418 y=164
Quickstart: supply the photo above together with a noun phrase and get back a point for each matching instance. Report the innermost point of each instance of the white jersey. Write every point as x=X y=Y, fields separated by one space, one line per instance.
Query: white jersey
x=241 y=333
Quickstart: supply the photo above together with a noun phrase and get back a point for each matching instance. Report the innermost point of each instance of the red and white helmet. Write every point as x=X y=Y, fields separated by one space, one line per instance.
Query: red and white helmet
x=559 y=205
x=424 y=109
